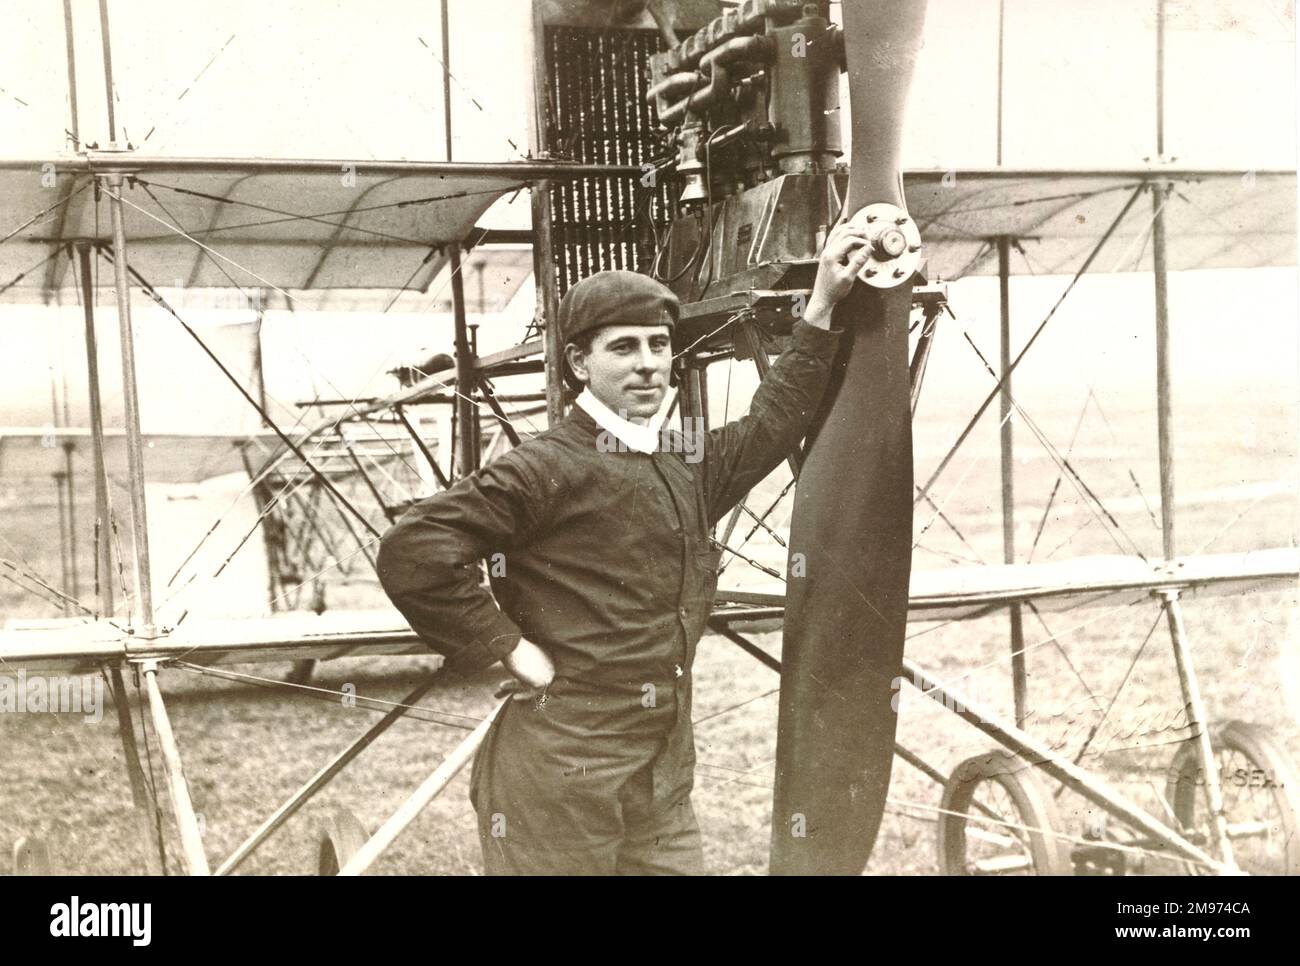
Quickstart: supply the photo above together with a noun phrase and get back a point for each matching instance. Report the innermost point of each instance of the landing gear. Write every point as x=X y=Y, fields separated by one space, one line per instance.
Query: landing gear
x=1261 y=799
x=998 y=819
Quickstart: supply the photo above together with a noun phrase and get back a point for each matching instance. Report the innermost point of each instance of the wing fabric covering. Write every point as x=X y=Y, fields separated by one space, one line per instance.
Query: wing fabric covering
x=851 y=531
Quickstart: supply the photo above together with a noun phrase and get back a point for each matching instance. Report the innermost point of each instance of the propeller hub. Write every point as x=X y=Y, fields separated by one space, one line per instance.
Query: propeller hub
x=890 y=243
x=895 y=245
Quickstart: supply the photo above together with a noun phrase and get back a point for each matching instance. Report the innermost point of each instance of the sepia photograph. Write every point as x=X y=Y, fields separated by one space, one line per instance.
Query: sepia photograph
x=650 y=437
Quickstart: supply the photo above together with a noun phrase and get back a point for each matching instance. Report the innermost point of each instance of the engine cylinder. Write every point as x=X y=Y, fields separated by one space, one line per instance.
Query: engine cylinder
x=804 y=105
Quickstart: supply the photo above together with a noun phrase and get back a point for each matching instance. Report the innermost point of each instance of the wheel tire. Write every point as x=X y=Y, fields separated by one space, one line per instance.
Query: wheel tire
x=1007 y=786
x=341 y=837
x=1251 y=761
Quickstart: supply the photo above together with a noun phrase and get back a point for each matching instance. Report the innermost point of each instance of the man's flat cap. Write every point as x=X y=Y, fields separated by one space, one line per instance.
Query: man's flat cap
x=616 y=298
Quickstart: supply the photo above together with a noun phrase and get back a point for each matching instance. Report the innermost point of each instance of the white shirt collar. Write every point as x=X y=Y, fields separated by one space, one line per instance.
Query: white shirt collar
x=642 y=439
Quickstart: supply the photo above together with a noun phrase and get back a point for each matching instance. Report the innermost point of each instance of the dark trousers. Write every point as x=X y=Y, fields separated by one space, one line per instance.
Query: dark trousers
x=582 y=786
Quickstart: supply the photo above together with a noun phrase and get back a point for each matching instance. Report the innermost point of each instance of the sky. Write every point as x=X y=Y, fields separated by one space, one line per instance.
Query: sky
x=359 y=79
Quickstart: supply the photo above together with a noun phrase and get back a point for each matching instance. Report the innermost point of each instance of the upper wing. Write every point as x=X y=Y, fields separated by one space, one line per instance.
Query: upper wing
x=1214 y=218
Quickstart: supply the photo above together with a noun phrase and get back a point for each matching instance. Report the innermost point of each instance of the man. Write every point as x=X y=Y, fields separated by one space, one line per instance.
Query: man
x=601 y=561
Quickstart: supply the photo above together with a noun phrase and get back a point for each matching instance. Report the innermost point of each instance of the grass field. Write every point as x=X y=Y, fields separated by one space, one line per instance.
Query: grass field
x=247 y=747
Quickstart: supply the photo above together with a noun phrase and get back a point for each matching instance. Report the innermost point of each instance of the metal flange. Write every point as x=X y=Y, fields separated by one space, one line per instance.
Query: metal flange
x=895 y=244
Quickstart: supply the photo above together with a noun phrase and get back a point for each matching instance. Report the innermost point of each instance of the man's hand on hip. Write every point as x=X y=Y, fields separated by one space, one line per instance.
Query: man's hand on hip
x=532 y=669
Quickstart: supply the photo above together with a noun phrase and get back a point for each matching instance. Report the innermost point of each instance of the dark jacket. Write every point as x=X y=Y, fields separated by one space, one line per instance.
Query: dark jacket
x=601 y=558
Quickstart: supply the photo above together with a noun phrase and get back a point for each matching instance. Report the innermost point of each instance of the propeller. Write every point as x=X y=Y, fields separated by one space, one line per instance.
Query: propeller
x=851 y=530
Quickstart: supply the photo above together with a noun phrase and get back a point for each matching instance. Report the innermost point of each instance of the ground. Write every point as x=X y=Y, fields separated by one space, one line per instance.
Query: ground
x=247 y=748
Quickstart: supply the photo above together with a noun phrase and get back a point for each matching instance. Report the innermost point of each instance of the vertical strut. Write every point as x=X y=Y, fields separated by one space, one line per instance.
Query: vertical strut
x=107 y=46
x=1019 y=675
x=547 y=298
x=60 y=494
x=1002 y=50
x=1160 y=79
x=74 y=115
x=548 y=301
x=466 y=377
x=73 y=569
x=103 y=545
x=130 y=396
x=465 y=372
x=1164 y=379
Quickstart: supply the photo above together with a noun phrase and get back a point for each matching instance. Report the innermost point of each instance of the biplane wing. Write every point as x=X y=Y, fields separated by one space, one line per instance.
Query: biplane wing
x=300 y=224
x=963 y=593
x=970 y=592
x=70 y=647
x=1222 y=218
x=380 y=225
x=948 y=594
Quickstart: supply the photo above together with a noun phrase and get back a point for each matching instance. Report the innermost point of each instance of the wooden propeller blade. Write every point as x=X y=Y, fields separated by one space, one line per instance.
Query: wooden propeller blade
x=851 y=532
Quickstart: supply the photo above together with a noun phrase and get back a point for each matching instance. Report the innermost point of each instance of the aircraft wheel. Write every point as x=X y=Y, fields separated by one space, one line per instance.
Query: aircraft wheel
x=999 y=819
x=1261 y=799
x=341 y=838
